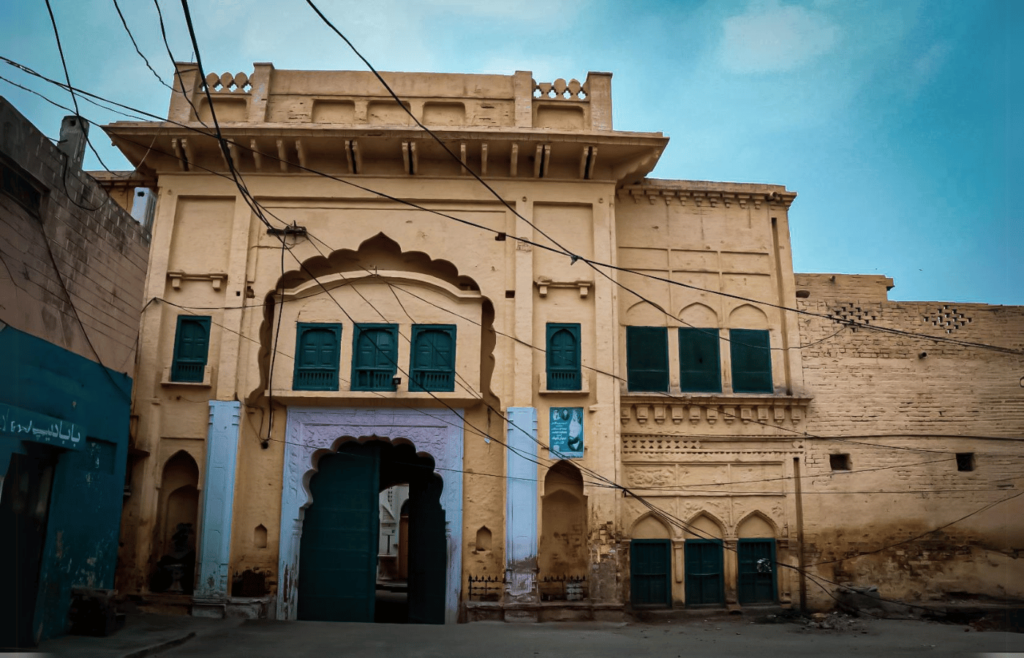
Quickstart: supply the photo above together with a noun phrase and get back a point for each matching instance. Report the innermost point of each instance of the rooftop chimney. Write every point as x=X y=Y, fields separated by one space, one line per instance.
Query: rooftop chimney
x=74 y=131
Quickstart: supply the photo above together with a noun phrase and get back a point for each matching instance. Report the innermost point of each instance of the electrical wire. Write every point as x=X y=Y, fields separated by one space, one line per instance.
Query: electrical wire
x=558 y=246
x=137 y=50
x=274 y=157
x=245 y=192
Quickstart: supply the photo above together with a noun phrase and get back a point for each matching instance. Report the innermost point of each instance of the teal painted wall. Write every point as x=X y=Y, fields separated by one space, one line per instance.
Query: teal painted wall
x=85 y=504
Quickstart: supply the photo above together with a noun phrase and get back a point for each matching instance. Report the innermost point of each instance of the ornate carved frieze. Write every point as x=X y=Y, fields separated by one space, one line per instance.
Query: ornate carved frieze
x=771 y=413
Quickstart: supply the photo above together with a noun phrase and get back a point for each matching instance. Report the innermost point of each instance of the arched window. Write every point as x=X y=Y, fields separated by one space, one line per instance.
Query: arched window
x=563 y=357
x=317 y=348
x=433 y=358
x=375 y=357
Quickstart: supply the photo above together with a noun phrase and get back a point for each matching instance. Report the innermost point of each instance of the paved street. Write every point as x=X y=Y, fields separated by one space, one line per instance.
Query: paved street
x=720 y=636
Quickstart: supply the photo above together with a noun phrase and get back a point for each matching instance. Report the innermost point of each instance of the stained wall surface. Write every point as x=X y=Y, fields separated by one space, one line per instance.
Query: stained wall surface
x=361 y=219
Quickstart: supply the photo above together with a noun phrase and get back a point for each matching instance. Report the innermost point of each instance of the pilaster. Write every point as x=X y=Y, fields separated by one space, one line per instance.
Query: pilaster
x=218 y=499
x=521 y=506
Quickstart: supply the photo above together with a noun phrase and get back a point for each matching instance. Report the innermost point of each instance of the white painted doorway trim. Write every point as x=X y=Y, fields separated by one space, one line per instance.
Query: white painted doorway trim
x=436 y=432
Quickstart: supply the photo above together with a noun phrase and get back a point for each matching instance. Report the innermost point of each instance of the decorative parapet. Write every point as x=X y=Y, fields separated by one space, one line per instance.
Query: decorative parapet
x=226 y=82
x=701 y=193
x=561 y=90
x=649 y=410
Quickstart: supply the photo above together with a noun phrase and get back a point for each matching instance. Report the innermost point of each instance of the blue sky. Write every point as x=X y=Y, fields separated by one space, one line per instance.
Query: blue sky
x=899 y=123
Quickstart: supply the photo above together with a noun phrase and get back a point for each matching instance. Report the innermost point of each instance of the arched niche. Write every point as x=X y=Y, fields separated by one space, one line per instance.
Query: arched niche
x=179 y=501
x=563 y=541
x=704 y=526
x=645 y=314
x=756 y=526
x=483 y=539
x=699 y=315
x=748 y=317
x=649 y=526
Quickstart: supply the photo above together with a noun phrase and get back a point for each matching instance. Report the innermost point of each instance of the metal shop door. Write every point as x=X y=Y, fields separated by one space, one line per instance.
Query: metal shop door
x=650 y=568
x=704 y=581
x=338 y=554
x=757 y=570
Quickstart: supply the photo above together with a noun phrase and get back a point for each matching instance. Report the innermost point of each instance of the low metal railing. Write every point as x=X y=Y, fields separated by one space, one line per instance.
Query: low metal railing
x=486 y=588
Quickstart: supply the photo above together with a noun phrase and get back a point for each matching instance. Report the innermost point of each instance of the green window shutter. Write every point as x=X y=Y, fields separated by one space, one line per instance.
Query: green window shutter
x=700 y=370
x=433 y=358
x=191 y=347
x=317 y=352
x=647 y=358
x=751 y=361
x=703 y=571
x=374 y=357
x=563 y=357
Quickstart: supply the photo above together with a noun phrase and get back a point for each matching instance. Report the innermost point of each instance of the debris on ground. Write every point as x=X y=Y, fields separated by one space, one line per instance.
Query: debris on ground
x=835 y=621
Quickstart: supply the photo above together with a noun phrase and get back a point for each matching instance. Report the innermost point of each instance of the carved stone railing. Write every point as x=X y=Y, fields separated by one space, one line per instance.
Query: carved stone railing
x=227 y=82
x=560 y=90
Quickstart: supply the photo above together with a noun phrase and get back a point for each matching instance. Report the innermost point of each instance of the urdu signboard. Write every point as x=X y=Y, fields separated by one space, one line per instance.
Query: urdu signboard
x=18 y=423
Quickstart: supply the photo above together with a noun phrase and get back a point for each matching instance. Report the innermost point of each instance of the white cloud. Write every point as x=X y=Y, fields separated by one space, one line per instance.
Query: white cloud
x=928 y=65
x=771 y=38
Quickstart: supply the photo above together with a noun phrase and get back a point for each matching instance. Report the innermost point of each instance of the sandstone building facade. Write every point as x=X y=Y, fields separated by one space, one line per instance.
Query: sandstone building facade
x=360 y=313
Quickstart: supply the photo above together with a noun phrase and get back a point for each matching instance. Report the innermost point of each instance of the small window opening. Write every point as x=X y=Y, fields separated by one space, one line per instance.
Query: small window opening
x=483 y=539
x=259 y=536
x=965 y=461
x=839 y=462
x=510 y=294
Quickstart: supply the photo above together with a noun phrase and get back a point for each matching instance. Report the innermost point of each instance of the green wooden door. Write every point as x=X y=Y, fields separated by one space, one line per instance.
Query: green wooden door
x=650 y=569
x=428 y=552
x=338 y=553
x=704 y=581
x=757 y=570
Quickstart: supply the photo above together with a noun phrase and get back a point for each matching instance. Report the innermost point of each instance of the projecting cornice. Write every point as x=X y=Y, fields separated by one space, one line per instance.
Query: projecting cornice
x=708 y=193
x=521 y=153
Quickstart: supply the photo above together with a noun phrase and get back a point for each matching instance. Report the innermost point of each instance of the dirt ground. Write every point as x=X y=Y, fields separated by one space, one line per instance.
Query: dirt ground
x=722 y=636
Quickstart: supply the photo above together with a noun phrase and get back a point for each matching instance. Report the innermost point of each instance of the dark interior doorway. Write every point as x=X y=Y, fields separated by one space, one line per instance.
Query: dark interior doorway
x=338 y=557
x=24 y=508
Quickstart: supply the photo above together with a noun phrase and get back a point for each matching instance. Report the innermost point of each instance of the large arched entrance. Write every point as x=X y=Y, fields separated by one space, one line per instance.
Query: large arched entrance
x=339 y=551
x=343 y=458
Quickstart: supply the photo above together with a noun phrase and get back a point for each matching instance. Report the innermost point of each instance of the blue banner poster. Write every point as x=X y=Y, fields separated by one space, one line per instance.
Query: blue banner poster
x=565 y=432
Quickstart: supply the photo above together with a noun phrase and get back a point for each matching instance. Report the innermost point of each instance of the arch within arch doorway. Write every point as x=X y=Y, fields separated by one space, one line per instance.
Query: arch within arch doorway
x=433 y=435
x=338 y=555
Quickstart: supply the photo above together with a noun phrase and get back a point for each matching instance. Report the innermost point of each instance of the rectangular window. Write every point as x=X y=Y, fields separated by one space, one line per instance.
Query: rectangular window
x=647 y=358
x=965 y=461
x=191 y=346
x=839 y=462
x=433 y=358
x=700 y=370
x=317 y=353
x=563 y=360
x=751 y=361
x=374 y=357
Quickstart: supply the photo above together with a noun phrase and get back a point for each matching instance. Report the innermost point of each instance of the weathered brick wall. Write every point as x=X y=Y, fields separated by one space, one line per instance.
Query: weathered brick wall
x=101 y=254
x=901 y=407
